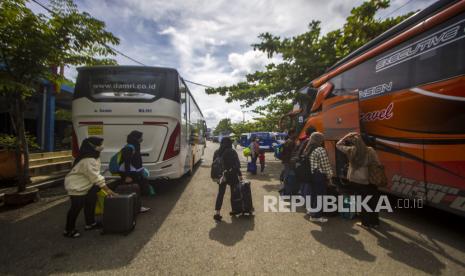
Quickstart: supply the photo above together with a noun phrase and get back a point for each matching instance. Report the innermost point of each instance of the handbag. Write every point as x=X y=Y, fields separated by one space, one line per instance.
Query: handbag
x=376 y=174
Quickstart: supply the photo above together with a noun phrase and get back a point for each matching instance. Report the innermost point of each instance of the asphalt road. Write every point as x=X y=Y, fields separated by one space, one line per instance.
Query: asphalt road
x=179 y=236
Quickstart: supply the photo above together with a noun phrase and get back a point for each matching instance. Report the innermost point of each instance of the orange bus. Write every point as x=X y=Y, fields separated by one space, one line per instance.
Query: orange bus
x=405 y=92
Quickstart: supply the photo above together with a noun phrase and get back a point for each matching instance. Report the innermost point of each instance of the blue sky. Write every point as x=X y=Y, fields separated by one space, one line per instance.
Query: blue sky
x=209 y=41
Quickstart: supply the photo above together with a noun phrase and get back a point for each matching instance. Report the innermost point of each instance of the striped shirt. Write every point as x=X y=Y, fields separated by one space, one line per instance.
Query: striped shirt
x=319 y=161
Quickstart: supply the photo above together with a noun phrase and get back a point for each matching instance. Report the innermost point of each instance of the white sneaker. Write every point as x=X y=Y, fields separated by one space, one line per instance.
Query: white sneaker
x=318 y=219
x=144 y=209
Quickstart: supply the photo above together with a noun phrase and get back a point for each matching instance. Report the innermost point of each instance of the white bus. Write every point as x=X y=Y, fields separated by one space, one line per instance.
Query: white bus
x=111 y=101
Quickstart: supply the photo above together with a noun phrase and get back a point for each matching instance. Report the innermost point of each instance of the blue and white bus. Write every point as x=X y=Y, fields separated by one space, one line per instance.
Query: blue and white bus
x=111 y=101
x=267 y=139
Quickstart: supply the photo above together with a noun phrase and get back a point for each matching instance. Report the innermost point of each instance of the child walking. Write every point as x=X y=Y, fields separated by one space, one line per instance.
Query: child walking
x=82 y=184
x=261 y=158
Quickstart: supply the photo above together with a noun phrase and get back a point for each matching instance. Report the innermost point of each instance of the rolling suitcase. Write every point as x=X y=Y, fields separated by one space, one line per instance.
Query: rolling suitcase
x=252 y=167
x=130 y=188
x=119 y=215
x=241 y=198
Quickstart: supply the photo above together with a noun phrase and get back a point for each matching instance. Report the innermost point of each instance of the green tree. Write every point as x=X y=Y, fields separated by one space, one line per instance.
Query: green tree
x=224 y=126
x=31 y=44
x=305 y=57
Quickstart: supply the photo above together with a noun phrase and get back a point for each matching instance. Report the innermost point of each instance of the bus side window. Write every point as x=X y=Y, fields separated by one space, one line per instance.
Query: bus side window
x=182 y=91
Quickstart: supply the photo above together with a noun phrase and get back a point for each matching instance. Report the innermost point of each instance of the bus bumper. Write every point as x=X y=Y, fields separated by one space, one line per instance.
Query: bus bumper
x=169 y=169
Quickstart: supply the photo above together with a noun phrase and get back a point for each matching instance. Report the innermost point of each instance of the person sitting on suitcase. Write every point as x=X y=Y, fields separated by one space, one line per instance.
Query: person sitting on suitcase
x=231 y=172
x=132 y=167
x=82 y=184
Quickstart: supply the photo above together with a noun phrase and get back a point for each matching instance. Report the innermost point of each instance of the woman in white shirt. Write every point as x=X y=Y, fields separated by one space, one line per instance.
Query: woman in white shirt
x=82 y=183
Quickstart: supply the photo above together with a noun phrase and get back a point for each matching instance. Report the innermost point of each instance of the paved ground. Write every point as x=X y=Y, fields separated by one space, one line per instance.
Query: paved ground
x=179 y=236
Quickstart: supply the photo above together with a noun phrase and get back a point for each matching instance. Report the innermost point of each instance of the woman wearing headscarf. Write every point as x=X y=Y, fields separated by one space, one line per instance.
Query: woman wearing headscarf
x=232 y=172
x=359 y=156
x=321 y=174
x=133 y=169
x=82 y=184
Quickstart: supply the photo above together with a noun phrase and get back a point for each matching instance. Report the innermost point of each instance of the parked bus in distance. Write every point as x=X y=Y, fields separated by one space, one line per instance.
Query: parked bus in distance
x=111 y=101
x=244 y=140
x=266 y=139
x=279 y=137
x=405 y=92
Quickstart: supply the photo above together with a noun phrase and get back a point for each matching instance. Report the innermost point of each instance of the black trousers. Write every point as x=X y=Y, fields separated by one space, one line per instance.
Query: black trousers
x=87 y=202
x=231 y=180
x=317 y=190
x=140 y=180
x=368 y=218
x=220 y=195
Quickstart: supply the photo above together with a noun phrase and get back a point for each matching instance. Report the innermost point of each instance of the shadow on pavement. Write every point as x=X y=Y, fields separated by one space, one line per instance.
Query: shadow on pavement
x=35 y=246
x=231 y=233
x=434 y=227
x=414 y=242
x=340 y=235
x=407 y=251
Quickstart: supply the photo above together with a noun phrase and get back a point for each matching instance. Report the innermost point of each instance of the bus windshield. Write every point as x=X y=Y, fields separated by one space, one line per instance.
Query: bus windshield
x=126 y=84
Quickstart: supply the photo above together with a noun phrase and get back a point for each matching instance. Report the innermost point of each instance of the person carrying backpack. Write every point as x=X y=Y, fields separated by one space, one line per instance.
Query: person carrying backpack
x=302 y=170
x=132 y=170
x=286 y=155
x=82 y=184
x=231 y=172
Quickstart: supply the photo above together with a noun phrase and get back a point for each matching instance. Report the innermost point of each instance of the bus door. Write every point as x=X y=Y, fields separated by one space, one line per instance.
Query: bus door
x=340 y=115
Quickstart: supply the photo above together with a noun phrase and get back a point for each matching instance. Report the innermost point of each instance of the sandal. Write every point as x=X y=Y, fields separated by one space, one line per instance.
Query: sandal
x=72 y=234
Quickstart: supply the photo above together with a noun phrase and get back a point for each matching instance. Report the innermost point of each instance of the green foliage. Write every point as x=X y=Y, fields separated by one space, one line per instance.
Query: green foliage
x=10 y=141
x=305 y=57
x=63 y=115
x=30 y=44
x=224 y=126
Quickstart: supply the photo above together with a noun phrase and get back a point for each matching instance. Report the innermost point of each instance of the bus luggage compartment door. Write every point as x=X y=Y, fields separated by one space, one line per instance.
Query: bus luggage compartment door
x=340 y=116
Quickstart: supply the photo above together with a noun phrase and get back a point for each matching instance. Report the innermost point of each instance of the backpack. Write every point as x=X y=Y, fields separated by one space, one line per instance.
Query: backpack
x=278 y=150
x=217 y=168
x=376 y=173
x=117 y=159
x=228 y=159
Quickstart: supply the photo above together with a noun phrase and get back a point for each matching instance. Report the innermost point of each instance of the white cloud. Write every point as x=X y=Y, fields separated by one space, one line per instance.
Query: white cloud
x=249 y=62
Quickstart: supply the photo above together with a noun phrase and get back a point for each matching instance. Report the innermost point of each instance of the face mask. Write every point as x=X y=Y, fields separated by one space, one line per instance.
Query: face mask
x=99 y=148
x=141 y=140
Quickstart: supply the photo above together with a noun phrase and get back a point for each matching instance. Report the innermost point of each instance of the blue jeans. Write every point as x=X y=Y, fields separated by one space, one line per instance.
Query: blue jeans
x=317 y=189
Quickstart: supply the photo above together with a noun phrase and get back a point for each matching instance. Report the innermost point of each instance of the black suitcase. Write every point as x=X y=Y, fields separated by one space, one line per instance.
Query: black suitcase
x=119 y=216
x=241 y=198
x=130 y=188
